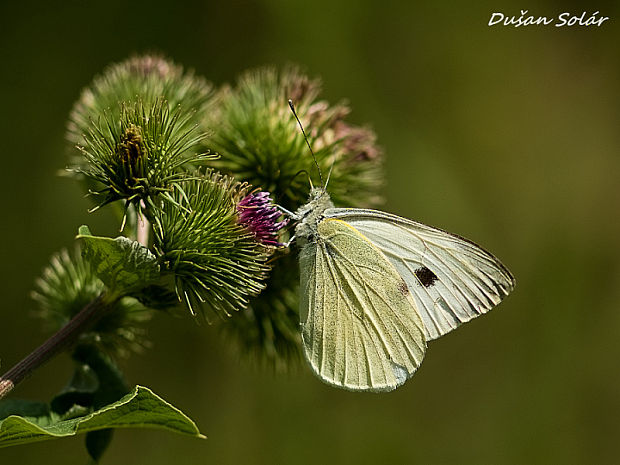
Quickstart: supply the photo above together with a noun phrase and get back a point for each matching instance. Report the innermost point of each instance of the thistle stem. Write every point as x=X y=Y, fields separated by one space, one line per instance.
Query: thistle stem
x=54 y=345
x=143 y=227
x=143 y=230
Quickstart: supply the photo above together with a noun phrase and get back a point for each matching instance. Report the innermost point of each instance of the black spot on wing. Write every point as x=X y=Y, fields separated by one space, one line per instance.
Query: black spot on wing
x=402 y=287
x=426 y=277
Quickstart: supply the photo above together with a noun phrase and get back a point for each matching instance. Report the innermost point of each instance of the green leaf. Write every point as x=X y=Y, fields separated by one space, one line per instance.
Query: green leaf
x=139 y=409
x=26 y=408
x=122 y=264
x=97 y=442
x=96 y=382
x=80 y=390
x=111 y=384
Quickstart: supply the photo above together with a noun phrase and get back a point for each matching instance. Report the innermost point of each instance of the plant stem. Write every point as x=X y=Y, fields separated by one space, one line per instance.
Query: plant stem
x=143 y=226
x=55 y=344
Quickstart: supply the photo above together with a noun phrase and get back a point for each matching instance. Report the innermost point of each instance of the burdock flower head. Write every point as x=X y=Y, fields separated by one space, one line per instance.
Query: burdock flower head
x=141 y=153
x=138 y=129
x=68 y=284
x=261 y=217
x=147 y=78
x=259 y=141
x=218 y=261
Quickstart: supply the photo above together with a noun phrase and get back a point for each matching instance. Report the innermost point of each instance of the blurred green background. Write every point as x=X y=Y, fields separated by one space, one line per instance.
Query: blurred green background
x=506 y=136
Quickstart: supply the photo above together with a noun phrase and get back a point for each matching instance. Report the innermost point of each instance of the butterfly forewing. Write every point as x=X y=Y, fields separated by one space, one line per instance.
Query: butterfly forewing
x=452 y=280
x=360 y=327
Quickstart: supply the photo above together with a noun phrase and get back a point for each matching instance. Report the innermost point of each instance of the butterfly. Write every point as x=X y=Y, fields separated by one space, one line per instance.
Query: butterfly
x=375 y=288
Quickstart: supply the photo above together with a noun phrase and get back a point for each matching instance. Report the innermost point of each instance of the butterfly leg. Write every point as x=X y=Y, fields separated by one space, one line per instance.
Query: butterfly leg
x=287 y=212
x=289 y=242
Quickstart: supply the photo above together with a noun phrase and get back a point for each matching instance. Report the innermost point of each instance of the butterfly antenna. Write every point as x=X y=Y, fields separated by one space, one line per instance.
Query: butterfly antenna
x=290 y=104
x=329 y=175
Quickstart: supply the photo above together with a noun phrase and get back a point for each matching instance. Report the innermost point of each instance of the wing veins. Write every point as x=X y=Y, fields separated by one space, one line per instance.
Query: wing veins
x=367 y=290
x=365 y=321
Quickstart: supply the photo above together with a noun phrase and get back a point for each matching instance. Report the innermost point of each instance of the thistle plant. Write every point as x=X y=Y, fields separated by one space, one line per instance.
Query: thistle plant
x=139 y=152
x=260 y=142
x=146 y=78
x=217 y=260
x=201 y=177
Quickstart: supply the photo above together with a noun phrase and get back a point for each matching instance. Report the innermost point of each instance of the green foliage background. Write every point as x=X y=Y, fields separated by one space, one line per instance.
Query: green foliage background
x=506 y=136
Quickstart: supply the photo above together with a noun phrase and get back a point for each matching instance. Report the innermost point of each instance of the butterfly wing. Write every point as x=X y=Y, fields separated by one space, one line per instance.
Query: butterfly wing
x=452 y=280
x=360 y=328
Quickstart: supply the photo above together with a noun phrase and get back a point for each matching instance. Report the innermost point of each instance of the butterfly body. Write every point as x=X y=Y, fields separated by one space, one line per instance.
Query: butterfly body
x=310 y=214
x=376 y=287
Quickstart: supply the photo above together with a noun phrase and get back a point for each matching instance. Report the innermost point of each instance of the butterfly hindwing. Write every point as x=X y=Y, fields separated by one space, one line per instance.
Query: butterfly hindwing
x=360 y=327
x=452 y=280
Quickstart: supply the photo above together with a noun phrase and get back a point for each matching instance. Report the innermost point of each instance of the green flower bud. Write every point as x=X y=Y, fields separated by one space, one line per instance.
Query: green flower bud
x=147 y=79
x=140 y=154
x=259 y=141
x=68 y=284
x=137 y=128
x=217 y=262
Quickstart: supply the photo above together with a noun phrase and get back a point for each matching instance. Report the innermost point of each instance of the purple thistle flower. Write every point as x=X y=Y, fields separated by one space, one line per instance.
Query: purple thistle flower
x=260 y=216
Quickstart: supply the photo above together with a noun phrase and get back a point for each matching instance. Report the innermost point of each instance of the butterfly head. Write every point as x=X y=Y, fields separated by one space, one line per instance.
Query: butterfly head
x=309 y=214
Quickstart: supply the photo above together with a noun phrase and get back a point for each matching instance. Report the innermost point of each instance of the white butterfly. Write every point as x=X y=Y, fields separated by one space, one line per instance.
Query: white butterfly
x=376 y=287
